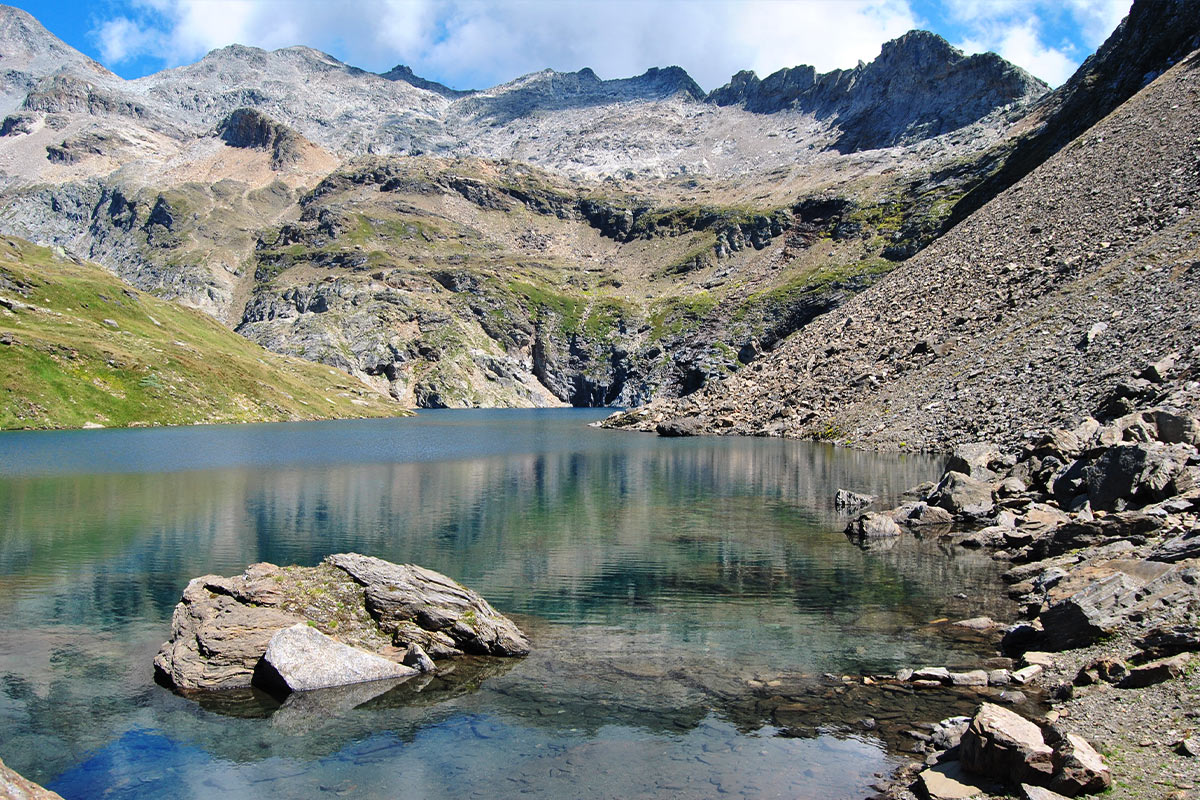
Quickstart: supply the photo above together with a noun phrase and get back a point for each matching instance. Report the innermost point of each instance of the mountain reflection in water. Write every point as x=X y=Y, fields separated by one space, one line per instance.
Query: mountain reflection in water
x=661 y=582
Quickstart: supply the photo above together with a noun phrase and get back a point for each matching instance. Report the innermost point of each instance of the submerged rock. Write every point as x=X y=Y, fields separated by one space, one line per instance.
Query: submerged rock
x=872 y=526
x=680 y=426
x=359 y=607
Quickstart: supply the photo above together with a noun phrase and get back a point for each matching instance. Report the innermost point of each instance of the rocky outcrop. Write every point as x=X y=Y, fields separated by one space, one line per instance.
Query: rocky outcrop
x=400 y=72
x=364 y=614
x=415 y=605
x=248 y=127
x=217 y=639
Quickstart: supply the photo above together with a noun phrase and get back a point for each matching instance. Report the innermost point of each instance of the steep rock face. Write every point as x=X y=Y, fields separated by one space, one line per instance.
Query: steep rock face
x=1156 y=35
x=408 y=271
x=246 y=127
x=918 y=87
x=1022 y=316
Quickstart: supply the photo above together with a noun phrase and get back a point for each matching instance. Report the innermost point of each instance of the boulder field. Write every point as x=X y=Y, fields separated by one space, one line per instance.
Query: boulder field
x=1101 y=525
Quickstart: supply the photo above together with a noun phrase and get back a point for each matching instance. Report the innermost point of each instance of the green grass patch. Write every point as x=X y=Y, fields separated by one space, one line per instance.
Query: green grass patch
x=81 y=347
x=674 y=316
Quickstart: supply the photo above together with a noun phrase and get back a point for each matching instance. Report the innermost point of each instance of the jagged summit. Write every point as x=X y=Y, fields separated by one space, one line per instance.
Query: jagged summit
x=400 y=72
x=918 y=86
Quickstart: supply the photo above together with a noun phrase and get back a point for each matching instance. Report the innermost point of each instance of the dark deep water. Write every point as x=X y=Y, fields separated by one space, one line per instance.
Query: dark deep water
x=656 y=578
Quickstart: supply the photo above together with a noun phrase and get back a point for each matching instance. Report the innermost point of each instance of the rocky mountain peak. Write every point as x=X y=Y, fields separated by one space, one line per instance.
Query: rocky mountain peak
x=551 y=90
x=400 y=72
x=29 y=52
x=25 y=41
x=919 y=86
x=920 y=47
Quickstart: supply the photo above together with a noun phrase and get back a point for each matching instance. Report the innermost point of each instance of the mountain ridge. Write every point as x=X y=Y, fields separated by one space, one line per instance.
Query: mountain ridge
x=436 y=117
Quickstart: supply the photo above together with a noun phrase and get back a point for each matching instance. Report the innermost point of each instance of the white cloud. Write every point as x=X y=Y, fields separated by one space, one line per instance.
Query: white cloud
x=470 y=43
x=1020 y=43
x=1047 y=37
x=121 y=38
x=1097 y=18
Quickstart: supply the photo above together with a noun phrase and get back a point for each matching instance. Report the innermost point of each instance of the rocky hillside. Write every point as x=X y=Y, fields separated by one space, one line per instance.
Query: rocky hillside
x=80 y=348
x=1072 y=293
x=563 y=239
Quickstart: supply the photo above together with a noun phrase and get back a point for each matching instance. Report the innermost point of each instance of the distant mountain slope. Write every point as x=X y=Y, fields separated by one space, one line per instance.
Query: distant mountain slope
x=28 y=52
x=1028 y=314
x=78 y=347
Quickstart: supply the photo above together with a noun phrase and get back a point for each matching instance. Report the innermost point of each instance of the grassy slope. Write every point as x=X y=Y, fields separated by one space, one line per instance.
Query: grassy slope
x=78 y=346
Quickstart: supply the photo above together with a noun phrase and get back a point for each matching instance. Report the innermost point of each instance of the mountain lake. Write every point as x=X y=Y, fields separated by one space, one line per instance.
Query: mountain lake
x=670 y=588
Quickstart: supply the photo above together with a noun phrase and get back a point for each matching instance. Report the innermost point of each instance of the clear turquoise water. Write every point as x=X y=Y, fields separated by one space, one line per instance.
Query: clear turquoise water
x=657 y=578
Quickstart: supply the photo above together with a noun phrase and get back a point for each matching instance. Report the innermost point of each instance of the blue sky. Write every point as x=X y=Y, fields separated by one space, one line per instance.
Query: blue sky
x=474 y=43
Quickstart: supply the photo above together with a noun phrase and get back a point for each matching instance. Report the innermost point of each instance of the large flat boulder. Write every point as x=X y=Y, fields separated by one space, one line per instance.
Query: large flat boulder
x=1079 y=769
x=223 y=627
x=1138 y=472
x=301 y=658
x=963 y=495
x=1180 y=548
x=974 y=459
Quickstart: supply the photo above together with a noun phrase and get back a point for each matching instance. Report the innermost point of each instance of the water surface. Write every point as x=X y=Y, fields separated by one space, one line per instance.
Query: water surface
x=664 y=584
